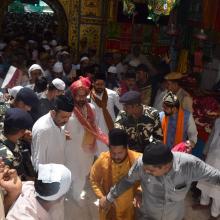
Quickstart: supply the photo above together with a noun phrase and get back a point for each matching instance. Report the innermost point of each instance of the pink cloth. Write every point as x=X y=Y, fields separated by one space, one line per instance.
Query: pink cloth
x=180 y=147
x=26 y=206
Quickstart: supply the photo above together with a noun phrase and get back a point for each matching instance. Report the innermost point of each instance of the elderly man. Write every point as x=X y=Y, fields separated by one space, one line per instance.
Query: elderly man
x=165 y=179
x=48 y=135
x=40 y=200
x=117 y=162
x=84 y=132
x=104 y=100
x=173 y=85
x=142 y=123
x=178 y=125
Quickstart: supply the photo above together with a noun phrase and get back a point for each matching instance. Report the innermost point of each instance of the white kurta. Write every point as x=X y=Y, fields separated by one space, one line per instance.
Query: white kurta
x=48 y=142
x=113 y=100
x=77 y=160
x=213 y=158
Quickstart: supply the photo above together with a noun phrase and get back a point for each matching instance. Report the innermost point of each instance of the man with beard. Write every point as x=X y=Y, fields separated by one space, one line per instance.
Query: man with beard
x=80 y=150
x=104 y=100
x=108 y=169
x=165 y=179
x=48 y=136
x=178 y=125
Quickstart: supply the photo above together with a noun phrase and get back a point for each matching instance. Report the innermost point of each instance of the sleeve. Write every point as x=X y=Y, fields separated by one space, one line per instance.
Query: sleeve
x=192 y=130
x=126 y=182
x=116 y=101
x=187 y=104
x=119 y=121
x=157 y=130
x=95 y=178
x=39 y=148
x=202 y=171
x=7 y=156
x=208 y=143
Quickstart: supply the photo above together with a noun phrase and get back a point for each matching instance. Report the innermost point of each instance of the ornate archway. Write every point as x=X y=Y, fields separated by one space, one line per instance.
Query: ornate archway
x=59 y=12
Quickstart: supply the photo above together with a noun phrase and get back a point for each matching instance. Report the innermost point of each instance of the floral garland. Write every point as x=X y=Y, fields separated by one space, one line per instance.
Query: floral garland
x=156 y=7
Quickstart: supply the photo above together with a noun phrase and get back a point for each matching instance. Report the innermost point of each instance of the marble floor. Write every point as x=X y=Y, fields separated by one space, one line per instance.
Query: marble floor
x=89 y=212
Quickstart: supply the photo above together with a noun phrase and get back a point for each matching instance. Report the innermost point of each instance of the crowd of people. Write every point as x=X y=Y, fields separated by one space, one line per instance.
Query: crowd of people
x=116 y=134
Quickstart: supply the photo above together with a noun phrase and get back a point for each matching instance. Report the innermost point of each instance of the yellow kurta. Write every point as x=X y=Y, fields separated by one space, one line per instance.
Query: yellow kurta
x=102 y=178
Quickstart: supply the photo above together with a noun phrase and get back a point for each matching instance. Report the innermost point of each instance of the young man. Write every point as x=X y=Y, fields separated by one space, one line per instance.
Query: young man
x=178 y=125
x=108 y=169
x=48 y=136
x=142 y=123
x=104 y=100
x=15 y=124
x=165 y=179
x=55 y=88
x=42 y=199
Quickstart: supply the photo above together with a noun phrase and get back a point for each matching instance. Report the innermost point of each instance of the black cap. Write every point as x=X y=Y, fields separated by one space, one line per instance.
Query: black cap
x=17 y=118
x=27 y=96
x=99 y=76
x=131 y=97
x=157 y=154
x=118 y=137
x=64 y=103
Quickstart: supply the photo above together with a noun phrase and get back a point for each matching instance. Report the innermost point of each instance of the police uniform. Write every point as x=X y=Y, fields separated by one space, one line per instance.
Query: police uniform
x=12 y=153
x=143 y=130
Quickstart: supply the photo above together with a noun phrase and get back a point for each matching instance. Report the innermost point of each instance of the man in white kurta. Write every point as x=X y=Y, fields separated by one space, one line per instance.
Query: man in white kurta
x=48 y=135
x=98 y=99
x=80 y=150
x=212 y=151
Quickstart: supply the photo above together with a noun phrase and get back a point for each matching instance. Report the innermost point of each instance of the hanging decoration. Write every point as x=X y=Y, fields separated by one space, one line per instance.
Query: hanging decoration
x=156 y=8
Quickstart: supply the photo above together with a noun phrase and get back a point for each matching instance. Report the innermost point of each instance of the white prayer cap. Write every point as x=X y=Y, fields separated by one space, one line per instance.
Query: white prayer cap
x=58 y=67
x=34 y=67
x=53 y=173
x=135 y=62
x=31 y=42
x=83 y=59
x=112 y=69
x=59 y=84
x=58 y=48
x=14 y=91
x=46 y=47
x=53 y=43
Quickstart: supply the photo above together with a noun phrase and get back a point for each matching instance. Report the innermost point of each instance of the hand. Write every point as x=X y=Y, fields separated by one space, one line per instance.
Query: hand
x=189 y=146
x=27 y=136
x=137 y=199
x=67 y=134
x=10 y=181
x=105 y=204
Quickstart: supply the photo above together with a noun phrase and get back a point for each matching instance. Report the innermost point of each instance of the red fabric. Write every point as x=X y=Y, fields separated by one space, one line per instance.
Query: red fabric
x=89 y=123
x=180 y=148
x=83 y=82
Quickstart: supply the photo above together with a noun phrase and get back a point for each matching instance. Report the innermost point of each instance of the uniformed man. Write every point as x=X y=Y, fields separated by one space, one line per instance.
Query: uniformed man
x=15 y=124
x=173 y=81
x=141 y=122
